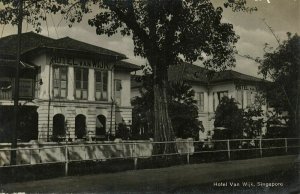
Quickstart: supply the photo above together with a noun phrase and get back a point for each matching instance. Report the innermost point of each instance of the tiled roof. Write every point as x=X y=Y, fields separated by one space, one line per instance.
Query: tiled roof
x=69 y=43
x=126 y=65
x=194 y=73
x=31 y=41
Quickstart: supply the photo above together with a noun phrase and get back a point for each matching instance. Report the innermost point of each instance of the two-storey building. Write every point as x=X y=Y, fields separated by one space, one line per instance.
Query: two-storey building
x=210 y=87
x=68 y=88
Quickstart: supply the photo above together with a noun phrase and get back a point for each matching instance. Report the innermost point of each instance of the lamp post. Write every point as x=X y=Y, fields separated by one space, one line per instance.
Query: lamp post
x=13 y=160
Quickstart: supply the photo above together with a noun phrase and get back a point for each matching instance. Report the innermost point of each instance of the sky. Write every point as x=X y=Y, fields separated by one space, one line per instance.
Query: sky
x=282 y=15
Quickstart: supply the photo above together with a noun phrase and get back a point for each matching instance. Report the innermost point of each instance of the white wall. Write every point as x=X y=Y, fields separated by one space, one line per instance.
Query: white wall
x=70 y=107
x=125 y=92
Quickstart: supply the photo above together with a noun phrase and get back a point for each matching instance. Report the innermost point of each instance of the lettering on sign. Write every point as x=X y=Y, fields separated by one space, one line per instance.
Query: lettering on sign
x=245 y=87
x=78 y=62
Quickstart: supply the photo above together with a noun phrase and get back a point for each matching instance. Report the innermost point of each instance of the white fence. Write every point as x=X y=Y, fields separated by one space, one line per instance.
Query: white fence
x=36 y=154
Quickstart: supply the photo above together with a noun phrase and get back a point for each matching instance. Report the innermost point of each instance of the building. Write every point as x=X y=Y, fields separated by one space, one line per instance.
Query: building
x=68 y=89
x=210 y=87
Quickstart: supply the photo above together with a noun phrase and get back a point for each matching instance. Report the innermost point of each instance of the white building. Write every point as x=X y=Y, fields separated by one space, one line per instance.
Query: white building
x=209 y=92
x=74 y=89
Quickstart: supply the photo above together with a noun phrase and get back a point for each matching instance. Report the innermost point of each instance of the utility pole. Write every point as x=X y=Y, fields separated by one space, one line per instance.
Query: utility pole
x=13 y=159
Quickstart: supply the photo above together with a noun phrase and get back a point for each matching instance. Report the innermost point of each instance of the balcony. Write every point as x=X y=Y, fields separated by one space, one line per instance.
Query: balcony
x=5 y=94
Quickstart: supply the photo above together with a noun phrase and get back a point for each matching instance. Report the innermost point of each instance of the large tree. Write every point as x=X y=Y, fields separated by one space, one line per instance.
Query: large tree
x=282 y=67
x=165 y=32
x=182 y=108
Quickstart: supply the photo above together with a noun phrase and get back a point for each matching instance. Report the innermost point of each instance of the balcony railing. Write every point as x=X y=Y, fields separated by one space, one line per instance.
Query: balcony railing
x=5 y=95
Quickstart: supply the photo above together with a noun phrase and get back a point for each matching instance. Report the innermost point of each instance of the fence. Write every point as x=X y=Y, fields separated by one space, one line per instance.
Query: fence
x=193 y=151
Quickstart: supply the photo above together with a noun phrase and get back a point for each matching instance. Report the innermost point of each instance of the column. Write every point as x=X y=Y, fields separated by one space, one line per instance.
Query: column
x=112 y=85
x=46 y=77
x=71 y=82
x=244 y=99
x=206 y=102
x=216 y=100
x=109 y=84
x=91 y=85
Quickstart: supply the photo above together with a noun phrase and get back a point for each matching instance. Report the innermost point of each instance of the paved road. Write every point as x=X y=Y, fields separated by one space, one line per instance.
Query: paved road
x=180 y=179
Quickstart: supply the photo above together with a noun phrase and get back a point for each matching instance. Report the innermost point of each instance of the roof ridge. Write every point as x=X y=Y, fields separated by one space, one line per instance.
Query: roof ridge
x=30 y=32
x=73 y=39
x=236 y=72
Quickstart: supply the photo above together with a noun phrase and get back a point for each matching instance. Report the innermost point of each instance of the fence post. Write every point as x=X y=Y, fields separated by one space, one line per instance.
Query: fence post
x=228 y=148
x=30 y=162
x=285 y=144
x=188 y=154
x=260 y=147
x=66 y=160
x=135 y=159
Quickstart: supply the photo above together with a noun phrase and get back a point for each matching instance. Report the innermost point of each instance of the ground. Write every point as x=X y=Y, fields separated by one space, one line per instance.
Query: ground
x=179 y=179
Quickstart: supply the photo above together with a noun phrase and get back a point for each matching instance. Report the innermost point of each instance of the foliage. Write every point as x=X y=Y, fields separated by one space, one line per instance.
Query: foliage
x=229 y=116
x=237 y=123
x=182 y=109
x=282 y=67
x=165 y=32
x=253 y=122
x=123 y=131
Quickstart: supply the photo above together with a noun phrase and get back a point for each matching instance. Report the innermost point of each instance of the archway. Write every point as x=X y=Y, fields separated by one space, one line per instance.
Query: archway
x=80 y=126
x=58 y=126
x=100 y=125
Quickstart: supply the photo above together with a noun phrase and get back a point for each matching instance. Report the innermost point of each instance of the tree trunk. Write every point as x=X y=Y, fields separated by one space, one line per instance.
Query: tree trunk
x=163 y=130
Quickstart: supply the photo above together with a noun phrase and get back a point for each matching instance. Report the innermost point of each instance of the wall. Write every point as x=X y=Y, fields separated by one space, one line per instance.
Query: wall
x=71 y=107
x=123 y=112
x=55 y=152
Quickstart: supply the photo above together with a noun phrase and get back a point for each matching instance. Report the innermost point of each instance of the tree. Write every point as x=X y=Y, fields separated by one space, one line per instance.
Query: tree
x=182 y=109
x=253 y=122
x=237 y=123
x=282 y=67
x=229 y=116
x=165 y=32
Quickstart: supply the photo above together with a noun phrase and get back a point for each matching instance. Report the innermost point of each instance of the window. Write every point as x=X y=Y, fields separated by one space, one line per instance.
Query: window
x=60 y=82
x=101 y=85
x=118 y=88
x=250 y=97
x=81 y=79
x=240 y=98
x=200 y=101
x=221 y=95
x=38 y=83
x=6 y=88
x=80 y=126
x=59 y=129
x=217 y=99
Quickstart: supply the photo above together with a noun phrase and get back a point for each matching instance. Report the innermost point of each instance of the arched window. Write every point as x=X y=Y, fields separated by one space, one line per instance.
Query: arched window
x=100 y=125
x=58 y=126
x=80 y=126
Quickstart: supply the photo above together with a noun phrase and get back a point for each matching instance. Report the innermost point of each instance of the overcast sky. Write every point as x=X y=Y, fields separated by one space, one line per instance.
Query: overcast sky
x=282 y=15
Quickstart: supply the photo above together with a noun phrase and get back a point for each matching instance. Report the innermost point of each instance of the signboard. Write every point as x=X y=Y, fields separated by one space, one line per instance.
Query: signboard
x=81 y=62
x=245 y=87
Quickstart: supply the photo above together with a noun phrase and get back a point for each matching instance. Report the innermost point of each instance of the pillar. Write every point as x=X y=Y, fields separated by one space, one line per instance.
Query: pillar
x=91 y=85
x=71 y=82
